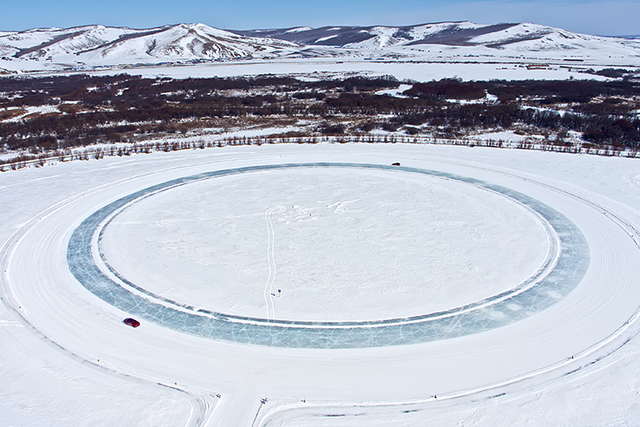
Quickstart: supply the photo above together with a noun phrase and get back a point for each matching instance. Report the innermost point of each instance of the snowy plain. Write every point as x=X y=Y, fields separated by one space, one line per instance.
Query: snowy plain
x=510 y=69
x=67 y=359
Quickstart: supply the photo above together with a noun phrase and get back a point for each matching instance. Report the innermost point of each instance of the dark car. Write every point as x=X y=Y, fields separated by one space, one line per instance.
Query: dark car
x=395 y=164
x=131 y=322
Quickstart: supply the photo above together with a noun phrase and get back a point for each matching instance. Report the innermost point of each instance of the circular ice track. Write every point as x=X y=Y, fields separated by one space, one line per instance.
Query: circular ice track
x=590 y=322
x=560 y=273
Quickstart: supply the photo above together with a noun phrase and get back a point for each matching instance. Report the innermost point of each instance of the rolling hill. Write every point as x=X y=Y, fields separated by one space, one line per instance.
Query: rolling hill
x=99 y=46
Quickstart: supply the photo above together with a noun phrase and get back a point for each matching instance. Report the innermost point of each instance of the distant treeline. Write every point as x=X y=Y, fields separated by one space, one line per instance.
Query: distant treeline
x=122 y=107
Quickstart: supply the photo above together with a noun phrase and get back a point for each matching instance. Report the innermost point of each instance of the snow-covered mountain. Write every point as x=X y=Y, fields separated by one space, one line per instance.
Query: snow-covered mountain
x=96 y=45
x=101 y=44
x=497 y=36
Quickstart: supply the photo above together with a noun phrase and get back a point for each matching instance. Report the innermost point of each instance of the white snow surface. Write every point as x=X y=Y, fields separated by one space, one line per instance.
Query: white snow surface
x=68 y=360
x=197 y=244
x=299 y=29
x=315 y=69
x=395 y=92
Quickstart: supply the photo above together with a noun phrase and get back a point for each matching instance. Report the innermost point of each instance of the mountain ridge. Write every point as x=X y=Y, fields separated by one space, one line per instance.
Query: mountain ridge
x=98 y=45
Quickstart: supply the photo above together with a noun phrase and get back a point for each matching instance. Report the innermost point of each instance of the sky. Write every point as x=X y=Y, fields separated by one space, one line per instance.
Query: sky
x=601 y=17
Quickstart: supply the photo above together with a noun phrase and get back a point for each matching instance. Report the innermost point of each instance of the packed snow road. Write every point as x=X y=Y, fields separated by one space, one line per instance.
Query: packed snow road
x=569 y=300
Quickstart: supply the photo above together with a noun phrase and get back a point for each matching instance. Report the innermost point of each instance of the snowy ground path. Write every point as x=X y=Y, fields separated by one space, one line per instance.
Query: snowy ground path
x=581 y=347
x=268 y=289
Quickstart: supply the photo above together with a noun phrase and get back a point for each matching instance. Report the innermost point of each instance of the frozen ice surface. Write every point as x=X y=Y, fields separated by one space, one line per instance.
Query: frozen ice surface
x=533 y=296
x=343 y=244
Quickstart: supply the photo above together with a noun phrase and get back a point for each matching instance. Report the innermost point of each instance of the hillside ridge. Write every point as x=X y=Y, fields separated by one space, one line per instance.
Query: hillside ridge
x=99 y=46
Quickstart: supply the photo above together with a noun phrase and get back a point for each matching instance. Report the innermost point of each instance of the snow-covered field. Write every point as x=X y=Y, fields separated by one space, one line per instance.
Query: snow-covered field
x=528 y=260
x=417 y=71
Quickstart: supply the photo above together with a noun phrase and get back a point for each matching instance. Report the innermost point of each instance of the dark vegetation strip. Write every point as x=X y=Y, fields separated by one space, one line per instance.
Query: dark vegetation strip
x=121 y=108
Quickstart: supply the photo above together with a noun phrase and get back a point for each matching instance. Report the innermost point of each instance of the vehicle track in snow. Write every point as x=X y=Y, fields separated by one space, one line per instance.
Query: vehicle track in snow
x=268 y=289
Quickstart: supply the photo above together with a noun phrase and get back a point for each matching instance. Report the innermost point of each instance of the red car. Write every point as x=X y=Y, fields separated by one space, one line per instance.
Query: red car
x=131 y=322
